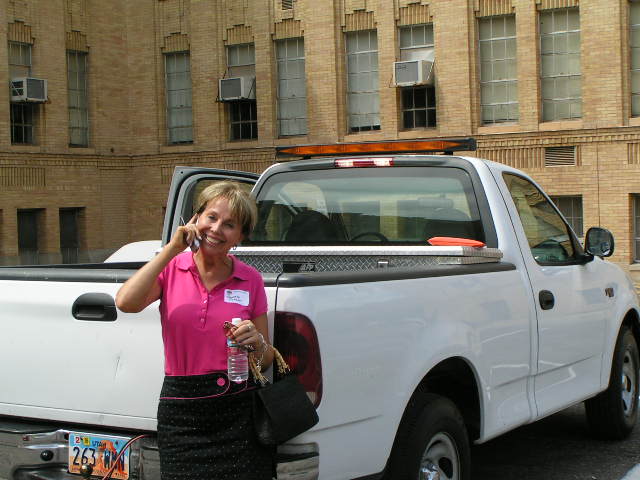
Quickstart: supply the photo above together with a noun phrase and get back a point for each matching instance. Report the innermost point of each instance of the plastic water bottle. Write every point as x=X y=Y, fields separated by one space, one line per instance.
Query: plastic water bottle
x=237 y=359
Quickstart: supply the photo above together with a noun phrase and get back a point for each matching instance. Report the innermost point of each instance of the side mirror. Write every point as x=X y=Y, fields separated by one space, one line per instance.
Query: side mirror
x=599 y=242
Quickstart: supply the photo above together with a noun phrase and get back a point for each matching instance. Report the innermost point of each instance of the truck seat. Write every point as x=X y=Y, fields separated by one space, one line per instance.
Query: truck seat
x=310 y=226
x=449 y=222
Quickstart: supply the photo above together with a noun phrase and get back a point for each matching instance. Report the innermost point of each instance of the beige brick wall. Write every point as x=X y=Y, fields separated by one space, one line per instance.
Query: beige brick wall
x=121 y=179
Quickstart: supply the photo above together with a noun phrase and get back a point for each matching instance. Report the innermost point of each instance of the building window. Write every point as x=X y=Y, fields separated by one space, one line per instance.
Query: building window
x=498 y=73
x=77 y=91
x=634 y=16
x=22 y=114
x=28 y=226
x=571 y=208
x=243 y=114
x=243 y=120
x=362 y=81
x=19 y=59
x=419 y=102
x=178 y=84
x=560 y=68
x=70 y=234
x=22 y=123
x=636 y=228
x=292 y=95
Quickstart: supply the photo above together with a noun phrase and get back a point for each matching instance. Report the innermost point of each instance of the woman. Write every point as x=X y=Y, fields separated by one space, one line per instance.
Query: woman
x=205 y=429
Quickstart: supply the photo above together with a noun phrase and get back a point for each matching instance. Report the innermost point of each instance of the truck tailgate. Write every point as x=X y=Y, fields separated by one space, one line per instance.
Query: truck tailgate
x=57 y=367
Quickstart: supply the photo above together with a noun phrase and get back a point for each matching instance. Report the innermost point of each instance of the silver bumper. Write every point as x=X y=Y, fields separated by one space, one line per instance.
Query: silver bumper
x=30 y=451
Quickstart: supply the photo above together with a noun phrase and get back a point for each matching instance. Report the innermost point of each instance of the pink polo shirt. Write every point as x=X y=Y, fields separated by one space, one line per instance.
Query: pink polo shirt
x=192 y=317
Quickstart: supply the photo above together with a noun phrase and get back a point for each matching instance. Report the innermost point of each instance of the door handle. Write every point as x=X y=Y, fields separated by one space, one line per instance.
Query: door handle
x=547 y=300
x=95 y=307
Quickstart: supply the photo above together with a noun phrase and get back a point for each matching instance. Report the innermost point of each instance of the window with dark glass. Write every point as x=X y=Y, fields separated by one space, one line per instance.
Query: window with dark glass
x=69 y=234
x=636 y=228
x=571 y=207
x=634 y=46
x=548 y=235
x=28 y=248
x=368 y=205
x=243 y=120
x=22 y=123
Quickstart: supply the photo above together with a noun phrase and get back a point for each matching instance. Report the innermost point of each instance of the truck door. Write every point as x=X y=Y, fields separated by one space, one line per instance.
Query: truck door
x=186 y=184
x=570 y=298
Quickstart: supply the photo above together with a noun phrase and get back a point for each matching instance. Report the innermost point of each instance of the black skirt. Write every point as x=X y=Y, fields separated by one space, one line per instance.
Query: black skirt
x=205 y=431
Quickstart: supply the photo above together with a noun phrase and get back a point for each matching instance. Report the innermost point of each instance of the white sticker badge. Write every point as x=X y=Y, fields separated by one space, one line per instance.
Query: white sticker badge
x=240 y=297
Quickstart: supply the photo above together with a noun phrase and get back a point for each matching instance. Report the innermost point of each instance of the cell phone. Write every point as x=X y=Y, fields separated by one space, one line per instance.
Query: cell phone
x=195 y=243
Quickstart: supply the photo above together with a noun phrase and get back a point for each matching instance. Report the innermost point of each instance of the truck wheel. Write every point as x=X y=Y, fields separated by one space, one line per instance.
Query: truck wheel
x=612 y=414
x=436 y=445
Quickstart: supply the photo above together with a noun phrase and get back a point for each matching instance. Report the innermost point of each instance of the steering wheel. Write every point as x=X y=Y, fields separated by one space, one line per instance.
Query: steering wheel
x=378 y=236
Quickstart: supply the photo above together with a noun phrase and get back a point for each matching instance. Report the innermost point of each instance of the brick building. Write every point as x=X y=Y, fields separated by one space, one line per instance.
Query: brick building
x=548 y=86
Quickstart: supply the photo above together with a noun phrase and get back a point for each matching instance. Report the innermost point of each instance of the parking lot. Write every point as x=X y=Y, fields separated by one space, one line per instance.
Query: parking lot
x=559 y=447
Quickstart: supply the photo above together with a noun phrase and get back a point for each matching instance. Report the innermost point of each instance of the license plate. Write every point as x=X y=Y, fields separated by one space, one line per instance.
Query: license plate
x=99 y=451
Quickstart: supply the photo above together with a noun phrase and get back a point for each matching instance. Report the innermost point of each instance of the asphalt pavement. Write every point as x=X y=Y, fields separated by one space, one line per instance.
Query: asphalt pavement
x=559 y=447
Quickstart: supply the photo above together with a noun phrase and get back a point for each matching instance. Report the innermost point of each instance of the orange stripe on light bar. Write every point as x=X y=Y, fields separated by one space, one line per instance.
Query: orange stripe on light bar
x=363 y=162
x=379 y=147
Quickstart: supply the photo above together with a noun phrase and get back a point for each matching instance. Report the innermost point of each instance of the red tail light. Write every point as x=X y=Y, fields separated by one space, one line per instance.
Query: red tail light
x=295 y=338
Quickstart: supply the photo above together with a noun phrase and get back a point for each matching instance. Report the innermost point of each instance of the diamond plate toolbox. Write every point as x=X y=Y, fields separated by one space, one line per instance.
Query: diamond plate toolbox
x=335 y=259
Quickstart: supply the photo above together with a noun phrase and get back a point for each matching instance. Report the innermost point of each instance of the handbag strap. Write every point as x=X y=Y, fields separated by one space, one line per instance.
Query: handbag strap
x=281 y=365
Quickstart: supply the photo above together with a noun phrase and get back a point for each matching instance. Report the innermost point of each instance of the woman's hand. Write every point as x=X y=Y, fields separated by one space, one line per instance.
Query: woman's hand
x=185 y=235
x=246 y=334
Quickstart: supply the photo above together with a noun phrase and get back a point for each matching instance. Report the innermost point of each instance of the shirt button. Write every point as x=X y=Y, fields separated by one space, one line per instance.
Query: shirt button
x=202 y=320
x=205 y=300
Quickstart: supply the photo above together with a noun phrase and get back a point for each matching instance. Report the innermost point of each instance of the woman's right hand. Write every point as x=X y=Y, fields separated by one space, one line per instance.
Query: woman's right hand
x=184 y=236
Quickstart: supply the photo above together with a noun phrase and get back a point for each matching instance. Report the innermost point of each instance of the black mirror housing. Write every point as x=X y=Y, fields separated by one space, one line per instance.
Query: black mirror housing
x=599 y=242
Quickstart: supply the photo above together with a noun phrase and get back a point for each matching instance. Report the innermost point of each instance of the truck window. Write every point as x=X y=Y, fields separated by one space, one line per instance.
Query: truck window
x=397 y=205
x=548 y=235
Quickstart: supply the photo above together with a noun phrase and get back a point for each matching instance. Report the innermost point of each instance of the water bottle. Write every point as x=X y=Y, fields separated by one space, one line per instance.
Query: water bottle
x=237 y=359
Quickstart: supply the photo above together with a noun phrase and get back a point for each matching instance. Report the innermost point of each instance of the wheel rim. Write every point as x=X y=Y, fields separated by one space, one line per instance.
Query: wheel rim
x=629 y=383
x=440 y=460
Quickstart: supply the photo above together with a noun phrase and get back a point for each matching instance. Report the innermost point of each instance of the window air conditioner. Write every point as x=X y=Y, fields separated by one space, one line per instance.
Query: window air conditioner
x=413 y=72
x=28 y=89
x=236 y=88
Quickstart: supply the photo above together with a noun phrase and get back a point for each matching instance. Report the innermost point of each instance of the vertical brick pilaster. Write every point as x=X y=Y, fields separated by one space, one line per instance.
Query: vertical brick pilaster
x=387 y=54
x=50 y=62
x=528 y=68
x=452 y=52
x=325 y=60
x=601 y=55
x=207 y=56
x=260 y=12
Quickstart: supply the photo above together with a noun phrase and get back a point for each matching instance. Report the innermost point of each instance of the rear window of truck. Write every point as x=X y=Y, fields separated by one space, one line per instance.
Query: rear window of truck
x=395 y=205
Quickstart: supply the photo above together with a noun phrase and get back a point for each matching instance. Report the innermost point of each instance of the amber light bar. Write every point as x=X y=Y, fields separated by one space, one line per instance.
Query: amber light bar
x=368 y=148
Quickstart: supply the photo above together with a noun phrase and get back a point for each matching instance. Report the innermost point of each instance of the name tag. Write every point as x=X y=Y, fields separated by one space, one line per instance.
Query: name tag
x=240 y=297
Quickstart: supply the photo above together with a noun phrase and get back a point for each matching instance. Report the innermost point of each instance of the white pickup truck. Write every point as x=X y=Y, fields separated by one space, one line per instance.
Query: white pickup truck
x=425 y=301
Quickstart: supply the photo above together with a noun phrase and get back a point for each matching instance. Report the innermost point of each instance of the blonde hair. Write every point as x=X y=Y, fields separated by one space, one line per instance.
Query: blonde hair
x=242 y=205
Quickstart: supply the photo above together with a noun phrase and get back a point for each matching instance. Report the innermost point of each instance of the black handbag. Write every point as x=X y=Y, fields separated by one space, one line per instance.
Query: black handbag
x=281 y=410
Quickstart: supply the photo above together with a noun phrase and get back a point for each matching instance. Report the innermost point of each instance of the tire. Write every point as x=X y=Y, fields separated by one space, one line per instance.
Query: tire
x=613 y=413
x=436 y=441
